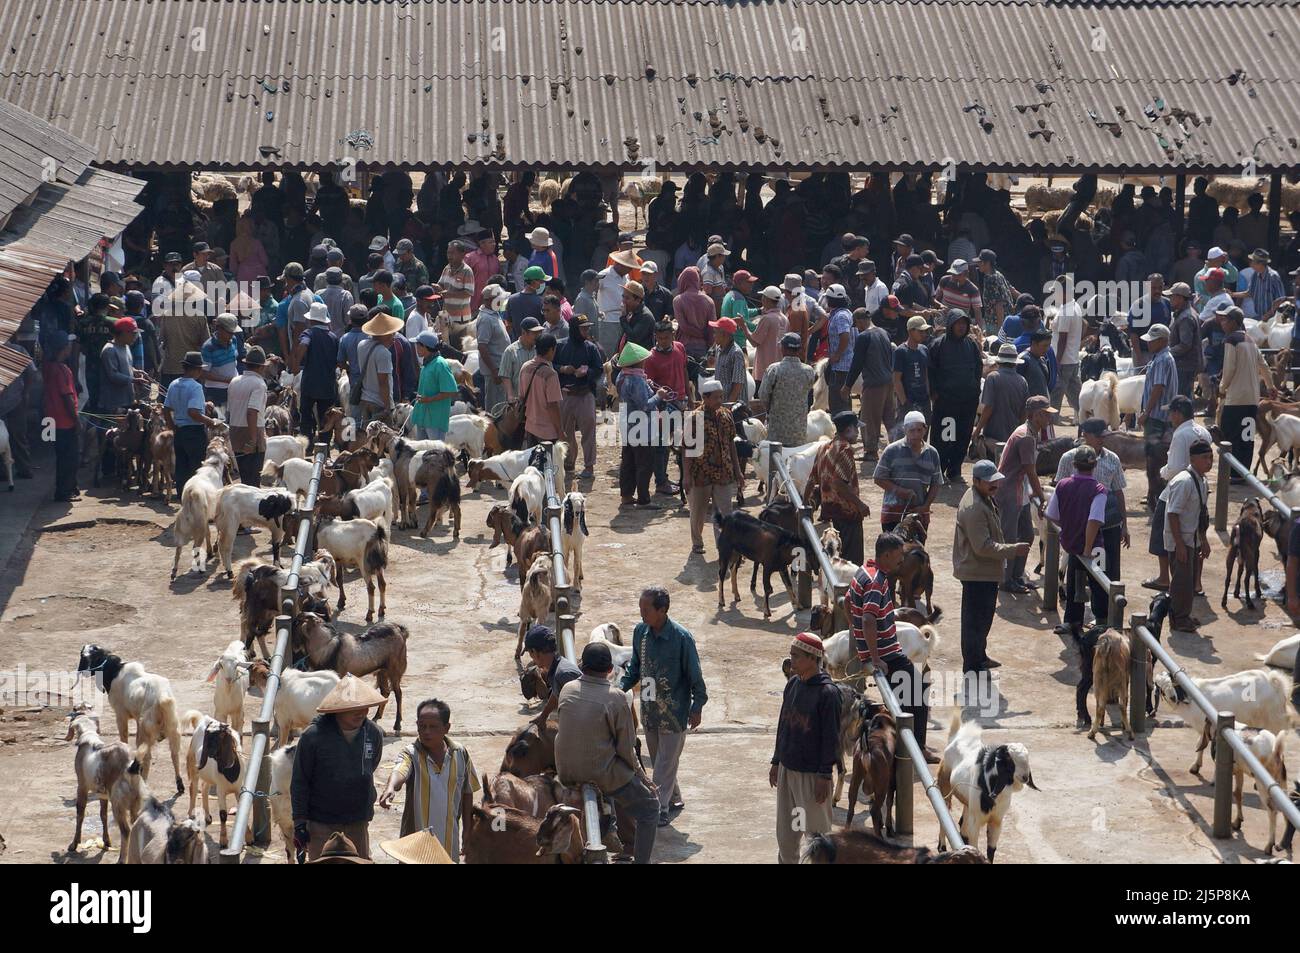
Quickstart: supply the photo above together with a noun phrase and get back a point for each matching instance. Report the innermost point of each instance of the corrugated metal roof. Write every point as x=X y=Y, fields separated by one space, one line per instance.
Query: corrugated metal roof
x=1016 y=85
x=33 y=152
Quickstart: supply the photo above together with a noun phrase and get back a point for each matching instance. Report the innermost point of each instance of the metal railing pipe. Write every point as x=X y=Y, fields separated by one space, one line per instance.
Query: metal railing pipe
x=1225 y=456
x=283 y=627
x=906 y=735
x=1051 y=566
x=1222 y=484
x=1229 y=742
x=594 y=851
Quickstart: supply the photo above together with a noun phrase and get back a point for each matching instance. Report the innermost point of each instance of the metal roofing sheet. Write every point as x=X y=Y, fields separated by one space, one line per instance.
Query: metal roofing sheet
x=568 y=82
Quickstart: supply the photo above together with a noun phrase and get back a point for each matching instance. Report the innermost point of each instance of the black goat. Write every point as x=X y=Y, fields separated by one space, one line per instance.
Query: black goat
x=741 y=536
x=779 y=513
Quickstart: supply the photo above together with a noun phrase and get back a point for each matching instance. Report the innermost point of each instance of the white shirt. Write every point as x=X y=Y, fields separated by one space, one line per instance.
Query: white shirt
x=1070 y=323
x=1188 y=432
x=609 y=295
x=415 y=323
x=1221 y=298
x=874 y=296
x=1184 y=497
x=247 y=391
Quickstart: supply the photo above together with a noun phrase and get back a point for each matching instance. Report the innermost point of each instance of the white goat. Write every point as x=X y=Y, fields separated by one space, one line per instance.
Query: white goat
x=574 y=525
x=1286 y=434
x=798 y=461
x=229 y=680
x=527 y=494
x=1100 y=398
x=361 y=543
x=280 y=796
x=1129 y=394
x=216 y=759
x=1268 y=748
x=156 y=838
x=199 y=499
x=109 y=771
x=296 y=700
x=980 y=775
x=384 y=471
x=1258 y=697
x=280 y=448
x=534 y=597
x=243 y=505
x=139 y=696
x=467 y=432
x=819 y=425
x=821 y=392
x=917 y=643
x=374 y=501
x=1282 y=654
x=295 y=474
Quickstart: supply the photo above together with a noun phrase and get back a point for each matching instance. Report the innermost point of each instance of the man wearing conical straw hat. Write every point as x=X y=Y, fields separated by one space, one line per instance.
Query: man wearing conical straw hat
x=333 y=788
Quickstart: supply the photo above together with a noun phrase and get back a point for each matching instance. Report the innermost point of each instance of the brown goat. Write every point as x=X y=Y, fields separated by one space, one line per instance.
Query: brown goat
x=381 y=649
x=495 y=834
x=529 y=544
x=531 y=751
x=161 y=461
x=131 y=447
x=437 y=474
x=534 y=795
x=873 y=763
x=1110 y=678
x=506 y=527
x=1247 y=536
x=861 y=847
x=914 y=575
x=1279 y=530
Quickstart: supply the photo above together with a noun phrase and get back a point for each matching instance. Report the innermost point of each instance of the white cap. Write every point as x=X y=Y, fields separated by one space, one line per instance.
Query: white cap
x=914 y=417
x=710 y=386
x=1215 y=252
x=649 y=268
x=318 y=313
x=771 y=292
x=193 y=277
x=958 y=267
x=378 y=243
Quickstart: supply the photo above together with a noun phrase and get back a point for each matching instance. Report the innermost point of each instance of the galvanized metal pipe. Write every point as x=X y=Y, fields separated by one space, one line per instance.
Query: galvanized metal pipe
x=828 y=579
x=595 y=851
x=1252 y=482
x=283 y=626
x=1224 y=722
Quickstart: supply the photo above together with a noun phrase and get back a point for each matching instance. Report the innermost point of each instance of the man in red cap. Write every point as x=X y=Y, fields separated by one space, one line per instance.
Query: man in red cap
x=807 y=746
x=119 y=376
x=728 y=360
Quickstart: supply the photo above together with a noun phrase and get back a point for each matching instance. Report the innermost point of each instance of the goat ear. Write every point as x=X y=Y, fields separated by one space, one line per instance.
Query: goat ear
x=582 y=521
x=212 y=675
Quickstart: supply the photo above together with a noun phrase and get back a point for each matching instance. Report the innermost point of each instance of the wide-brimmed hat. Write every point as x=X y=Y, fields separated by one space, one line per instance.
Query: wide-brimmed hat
x=793 y=283
x=382 y=324
x=541 y=237
x=418 y=848
x=192 y=359
x=625 y=258
x=1261 y=256
x=350 y=694
x=632 y=354
x=1007 y=354
x=318 y=313
x=255 y=357
x=339 y=849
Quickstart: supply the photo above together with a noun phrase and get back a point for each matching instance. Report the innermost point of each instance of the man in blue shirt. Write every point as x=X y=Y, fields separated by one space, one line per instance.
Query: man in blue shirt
x=912 y=370
x=347 y=356
x=186 y=415
x=665 y=670
x=1160 y=386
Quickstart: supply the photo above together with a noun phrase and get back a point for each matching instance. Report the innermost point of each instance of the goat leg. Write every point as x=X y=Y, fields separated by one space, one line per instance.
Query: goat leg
x=370 y=596
x=383 y=593
x=82 y=797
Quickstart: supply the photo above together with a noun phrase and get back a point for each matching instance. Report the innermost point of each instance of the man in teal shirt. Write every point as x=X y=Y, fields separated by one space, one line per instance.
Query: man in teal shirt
x=665 y=674
x=431 y=415
x=736 y=307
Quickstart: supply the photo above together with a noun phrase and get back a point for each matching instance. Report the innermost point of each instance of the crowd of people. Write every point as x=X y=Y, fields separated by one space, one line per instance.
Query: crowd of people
x=946 y=357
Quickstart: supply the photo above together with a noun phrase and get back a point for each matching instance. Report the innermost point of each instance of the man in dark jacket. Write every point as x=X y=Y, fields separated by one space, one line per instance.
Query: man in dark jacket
x=807 y=746
x=1033 y=365
x=579 y=363
x=956 y=369
x=333 y=789
x=636 y=321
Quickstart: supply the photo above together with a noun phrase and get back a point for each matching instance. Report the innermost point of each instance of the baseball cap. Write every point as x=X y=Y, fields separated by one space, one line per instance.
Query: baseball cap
x=635 y=289
x=866 y=267
x=1157 y=332
x=122 y=325
x=378 y=243
x=429 y=339
x=172 y=258
x=530 y=324
x=989 y=255
x=541 y=638
x=405 y=245
x=425 y=292
x=1215 y=252
x=771 y=293
x=334 y=276
x=917 y=323
x=199 y=247
x=1040 y=334
x=958 y=267
x=535 y=273
x=1039 y=402
x=1199 y=448
x=904 y=239
x=914 y=261
x=837 y=291
x=743 y=275
x=291 y=270
x=647 y=268
x=1085 y=456
x=791 y=340
x=1095 y=426
x=987 y=471
x=793 y=283
x=1180 y=288
x=724 y=324
x=592 y=274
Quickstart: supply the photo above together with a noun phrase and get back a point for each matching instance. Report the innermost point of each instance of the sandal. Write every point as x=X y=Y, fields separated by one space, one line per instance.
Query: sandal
x=1154 y=584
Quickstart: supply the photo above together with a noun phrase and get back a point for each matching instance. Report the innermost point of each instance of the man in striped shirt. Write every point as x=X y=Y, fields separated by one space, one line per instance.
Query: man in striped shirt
x=457 y=282
x=875 y=637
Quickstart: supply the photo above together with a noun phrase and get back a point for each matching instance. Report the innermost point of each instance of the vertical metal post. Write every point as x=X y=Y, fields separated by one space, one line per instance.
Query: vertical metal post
x=773 y=452
x=1221 y=486
x=1051 y=566
x=903 y=801
x=1274 y=208
x=1223 y=776
x=1137 y=682
x=1118 y=604
x=803 y=579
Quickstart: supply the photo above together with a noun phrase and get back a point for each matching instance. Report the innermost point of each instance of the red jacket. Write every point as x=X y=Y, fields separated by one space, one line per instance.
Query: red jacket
x=668 y=369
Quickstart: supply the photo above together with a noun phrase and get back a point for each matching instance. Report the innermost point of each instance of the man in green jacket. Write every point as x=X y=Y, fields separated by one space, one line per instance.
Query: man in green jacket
x=978 y=554
x=665 y=672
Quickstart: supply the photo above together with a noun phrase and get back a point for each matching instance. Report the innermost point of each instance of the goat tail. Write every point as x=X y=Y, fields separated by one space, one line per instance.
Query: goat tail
x=242 y=570
x=187 y=723
x=1111 y=380
x=820 y=849
x=520 y=508
x=954 y=726
x=376 y=555
x=930 y=633
x=717 y=519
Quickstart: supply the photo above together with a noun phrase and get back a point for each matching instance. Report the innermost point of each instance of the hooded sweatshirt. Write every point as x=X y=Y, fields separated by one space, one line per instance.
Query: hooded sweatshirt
x=807 y=733
x=693 y=310
x=956 y=365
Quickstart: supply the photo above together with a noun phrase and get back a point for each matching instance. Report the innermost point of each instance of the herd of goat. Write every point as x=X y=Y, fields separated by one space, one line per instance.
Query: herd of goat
x=376 y=483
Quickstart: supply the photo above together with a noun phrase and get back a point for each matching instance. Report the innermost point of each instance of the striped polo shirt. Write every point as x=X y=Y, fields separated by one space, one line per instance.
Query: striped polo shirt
x=457 y=291
x=869 y=595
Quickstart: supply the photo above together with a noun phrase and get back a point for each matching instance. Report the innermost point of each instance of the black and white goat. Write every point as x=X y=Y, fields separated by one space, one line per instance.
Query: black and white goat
x=983 y=777
x=243 y=505
x=574 y=523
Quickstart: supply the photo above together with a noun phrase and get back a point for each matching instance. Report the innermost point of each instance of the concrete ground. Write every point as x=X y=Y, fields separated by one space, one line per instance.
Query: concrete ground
x=98 y=571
